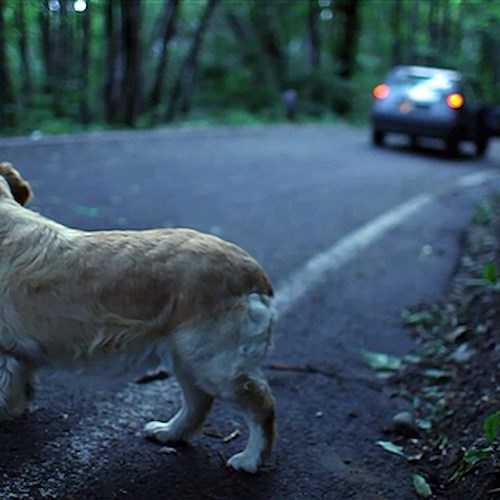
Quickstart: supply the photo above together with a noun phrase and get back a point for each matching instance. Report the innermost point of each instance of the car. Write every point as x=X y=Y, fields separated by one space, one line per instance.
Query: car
x=422 y=101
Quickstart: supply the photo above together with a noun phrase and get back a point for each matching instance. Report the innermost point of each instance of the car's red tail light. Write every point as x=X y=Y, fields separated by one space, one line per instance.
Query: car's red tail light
x=381 y=91
x=455 y=100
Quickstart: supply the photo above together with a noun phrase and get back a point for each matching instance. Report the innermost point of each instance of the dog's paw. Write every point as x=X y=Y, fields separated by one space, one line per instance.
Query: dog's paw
x=244 y=462
x=163 y=432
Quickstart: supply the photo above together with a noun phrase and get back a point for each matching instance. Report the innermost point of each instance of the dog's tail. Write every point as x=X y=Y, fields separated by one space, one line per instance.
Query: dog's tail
x=255 y=338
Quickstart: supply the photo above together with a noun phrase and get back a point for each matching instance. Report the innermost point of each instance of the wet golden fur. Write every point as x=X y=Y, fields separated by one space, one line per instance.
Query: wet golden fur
x=176 y=296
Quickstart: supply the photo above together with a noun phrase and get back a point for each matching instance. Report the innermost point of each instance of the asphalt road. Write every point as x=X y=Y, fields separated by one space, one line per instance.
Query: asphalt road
x=327 y=215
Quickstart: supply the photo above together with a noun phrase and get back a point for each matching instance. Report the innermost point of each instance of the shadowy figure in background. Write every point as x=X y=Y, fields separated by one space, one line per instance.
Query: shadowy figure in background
x=289 y=97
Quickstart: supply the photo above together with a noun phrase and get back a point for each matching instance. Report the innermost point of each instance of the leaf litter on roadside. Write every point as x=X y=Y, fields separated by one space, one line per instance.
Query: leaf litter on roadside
x=452 y=378
x=453 y=387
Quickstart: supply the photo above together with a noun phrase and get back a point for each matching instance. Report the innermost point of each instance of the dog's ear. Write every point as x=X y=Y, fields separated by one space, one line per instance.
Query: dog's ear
x=20 y=189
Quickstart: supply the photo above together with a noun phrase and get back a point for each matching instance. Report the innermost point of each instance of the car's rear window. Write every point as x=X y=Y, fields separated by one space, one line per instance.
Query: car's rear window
x=435 y=80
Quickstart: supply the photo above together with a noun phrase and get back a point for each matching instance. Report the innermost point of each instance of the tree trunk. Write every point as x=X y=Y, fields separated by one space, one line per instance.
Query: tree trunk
x=60 y=49
x=85 y=114
x=167 y=33
x=313 y=36
x=413 y=22
x=45 y=43
x=130 y=84
x=349 y=40
x=397 y=38
x=495 y=71
x=275 y=57
x=181 y=95
x=112 y=62
x=249 y=51
x=7 y=97
x=314 y=50
x=347 y=50
x=433 y=23
x=26 y=84
x=444 y=28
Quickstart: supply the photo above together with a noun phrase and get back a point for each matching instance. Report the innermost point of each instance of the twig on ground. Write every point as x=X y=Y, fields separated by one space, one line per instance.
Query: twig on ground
x=159 y=374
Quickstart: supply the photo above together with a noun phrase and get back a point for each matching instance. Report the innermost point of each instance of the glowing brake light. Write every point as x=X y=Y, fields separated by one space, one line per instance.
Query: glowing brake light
x=455 y=100
x=381 y=91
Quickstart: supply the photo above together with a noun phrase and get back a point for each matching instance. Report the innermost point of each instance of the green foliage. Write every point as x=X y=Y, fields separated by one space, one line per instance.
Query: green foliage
x=490 y=273
x=491 y=426
x=251 y=52
x=483 y=213
x=474 y=455
x=470 y=458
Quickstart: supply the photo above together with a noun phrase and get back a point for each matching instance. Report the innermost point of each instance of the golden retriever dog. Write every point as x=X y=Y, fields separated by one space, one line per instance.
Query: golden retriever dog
x=198 y=304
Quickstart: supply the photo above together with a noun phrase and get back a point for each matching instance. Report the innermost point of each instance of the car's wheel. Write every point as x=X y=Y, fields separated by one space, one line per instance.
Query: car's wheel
x=378 y=137
x=481 y=144
x=452 y=149
x=482 y=138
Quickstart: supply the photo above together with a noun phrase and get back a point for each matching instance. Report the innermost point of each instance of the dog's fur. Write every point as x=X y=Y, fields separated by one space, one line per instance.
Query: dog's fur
x=187 y=299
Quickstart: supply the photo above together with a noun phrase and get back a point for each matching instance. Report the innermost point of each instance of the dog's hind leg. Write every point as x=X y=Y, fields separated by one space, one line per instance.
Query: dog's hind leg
x=252 y=395
x=221 y=358
x=195 y=407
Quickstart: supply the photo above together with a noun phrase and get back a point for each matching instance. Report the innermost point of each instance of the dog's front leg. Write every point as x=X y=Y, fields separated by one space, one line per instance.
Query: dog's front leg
x=16 y=385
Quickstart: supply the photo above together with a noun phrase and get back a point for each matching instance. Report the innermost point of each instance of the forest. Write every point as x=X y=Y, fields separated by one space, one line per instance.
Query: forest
x=69 y=65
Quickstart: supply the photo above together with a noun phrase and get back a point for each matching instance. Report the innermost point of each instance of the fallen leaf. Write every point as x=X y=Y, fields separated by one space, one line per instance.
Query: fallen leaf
x=391 y=447
x=437 y=374
x=416 y=457
x=417 y=318
x=208 y=431
x=423 y=424
x=381 y=361
x=168 y=450
x=231 y=436
x=455 y=334
x=421 y=486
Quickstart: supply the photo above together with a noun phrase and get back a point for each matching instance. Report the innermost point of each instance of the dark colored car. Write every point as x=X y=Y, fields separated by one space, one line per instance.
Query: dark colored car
x=429 y=102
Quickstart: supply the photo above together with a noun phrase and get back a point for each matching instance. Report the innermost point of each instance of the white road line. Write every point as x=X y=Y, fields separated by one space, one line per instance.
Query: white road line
x=312 y=273
x=71 y=458
x=296 y=286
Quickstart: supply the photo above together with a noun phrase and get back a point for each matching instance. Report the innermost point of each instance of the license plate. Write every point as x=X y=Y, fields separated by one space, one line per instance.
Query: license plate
x=405 y=106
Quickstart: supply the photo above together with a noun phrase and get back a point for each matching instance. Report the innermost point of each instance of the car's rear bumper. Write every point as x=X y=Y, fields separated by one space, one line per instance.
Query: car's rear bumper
x=416 y=127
